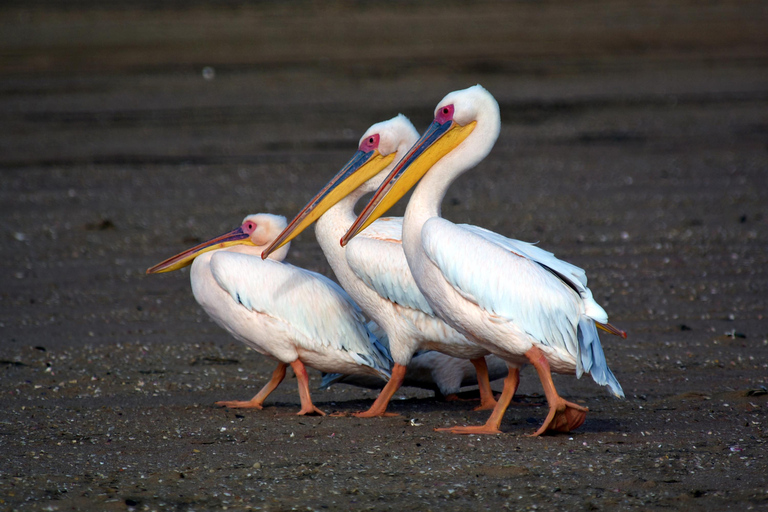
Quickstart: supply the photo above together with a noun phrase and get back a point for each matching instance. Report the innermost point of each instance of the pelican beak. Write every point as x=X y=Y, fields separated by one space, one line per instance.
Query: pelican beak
x=363 y=166
x=437 y=141
x=181 y=260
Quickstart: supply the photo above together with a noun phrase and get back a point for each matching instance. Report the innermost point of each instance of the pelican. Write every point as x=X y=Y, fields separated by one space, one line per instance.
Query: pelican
x=516 y=300
x=289 y=314
x=373 y=269
x=428 y=369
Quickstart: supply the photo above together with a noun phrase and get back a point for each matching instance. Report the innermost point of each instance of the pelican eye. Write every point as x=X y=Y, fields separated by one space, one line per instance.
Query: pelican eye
x=370 y=143
x=249 y=227
x=445 y=114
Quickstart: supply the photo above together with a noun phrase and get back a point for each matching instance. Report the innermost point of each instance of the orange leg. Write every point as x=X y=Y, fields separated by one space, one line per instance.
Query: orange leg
x=256 y=402
x=379 y=407
x=307 y=407
x=494 y=422
x=487 y=401
x=563 y=416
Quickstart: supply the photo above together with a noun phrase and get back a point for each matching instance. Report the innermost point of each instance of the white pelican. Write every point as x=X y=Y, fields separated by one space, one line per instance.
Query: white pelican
x=292 y=315
x=518 y=301
x=373 y=269
x=428 y=369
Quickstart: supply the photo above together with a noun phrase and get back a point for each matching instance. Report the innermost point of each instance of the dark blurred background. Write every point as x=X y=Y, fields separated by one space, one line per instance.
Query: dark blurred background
x=217 y=76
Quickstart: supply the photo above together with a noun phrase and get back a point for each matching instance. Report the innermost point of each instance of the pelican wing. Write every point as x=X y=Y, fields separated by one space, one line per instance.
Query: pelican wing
x=376 y=256
x=318 y=310
x=504 y=283
x=571 y=274
x=575 y=275
x=523 y=284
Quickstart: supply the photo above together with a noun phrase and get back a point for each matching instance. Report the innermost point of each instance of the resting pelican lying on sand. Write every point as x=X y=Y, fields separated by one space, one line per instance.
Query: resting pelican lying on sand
x=428 y=369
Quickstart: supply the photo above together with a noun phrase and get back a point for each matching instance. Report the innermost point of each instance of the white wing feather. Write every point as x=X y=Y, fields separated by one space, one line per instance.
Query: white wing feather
x=508 y=285
x=573 y=275
x=319 y=310
x=525 y=285
x=376 y=257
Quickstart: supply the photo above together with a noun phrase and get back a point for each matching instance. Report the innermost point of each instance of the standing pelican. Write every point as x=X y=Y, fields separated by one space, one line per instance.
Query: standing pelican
x=518 y=301
x=373 y=269
x=290 y=314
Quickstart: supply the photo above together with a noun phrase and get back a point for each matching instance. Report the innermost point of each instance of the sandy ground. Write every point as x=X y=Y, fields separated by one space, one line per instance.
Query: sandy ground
x=634 y=144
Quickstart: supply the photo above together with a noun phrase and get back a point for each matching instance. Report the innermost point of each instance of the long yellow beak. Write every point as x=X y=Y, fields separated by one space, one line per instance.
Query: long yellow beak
x=363 y=166
x=439 y=140
x=181 y=260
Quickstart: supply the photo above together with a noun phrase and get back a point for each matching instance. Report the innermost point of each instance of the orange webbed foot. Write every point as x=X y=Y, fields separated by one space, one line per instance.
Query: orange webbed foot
x=310 y=411
x=239 y=404
x=486 y=404
x=564 y=417
x=478 y=429
x=370 y=413
x=379 y=407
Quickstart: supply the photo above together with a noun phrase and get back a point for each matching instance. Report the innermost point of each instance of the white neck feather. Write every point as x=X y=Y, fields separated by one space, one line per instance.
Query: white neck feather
x=428 y=196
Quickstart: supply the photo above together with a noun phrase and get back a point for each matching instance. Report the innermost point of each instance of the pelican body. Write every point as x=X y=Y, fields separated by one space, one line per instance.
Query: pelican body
x=515 y=300
x=292 y=315
x=373 y=268
x=428 y=369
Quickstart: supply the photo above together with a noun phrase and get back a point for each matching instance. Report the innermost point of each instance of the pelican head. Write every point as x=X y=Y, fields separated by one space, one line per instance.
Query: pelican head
x=464 y=130
x=256 y=232
x=368 y=167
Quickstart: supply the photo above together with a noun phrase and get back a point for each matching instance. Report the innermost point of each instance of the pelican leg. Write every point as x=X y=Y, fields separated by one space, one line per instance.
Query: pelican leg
x=379 y=407
x=563 y=416
x=307 y=407
x=494 y=421
x=487 y=401
x=256 y=402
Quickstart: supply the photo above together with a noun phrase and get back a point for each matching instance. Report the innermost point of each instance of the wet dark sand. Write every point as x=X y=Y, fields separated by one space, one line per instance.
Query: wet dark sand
x=634 y=144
